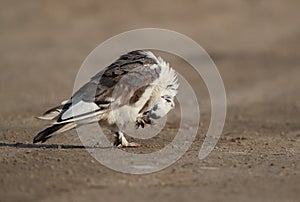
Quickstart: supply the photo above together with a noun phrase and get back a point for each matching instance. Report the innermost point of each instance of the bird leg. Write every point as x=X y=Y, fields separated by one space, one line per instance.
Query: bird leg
x=120 y=141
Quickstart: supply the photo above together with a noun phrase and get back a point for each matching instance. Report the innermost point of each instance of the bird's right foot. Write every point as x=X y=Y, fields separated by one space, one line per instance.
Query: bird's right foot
x=120 y=141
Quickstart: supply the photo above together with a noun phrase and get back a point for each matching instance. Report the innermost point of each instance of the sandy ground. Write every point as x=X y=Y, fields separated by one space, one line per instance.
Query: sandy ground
x=255 y=45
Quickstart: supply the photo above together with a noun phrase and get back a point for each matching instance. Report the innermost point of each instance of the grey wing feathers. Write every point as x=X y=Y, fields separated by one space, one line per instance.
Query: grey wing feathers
x=123 y=82
x=120 y=83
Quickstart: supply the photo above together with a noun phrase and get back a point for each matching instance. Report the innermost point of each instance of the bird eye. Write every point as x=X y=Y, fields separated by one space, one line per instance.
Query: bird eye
x=168 y=100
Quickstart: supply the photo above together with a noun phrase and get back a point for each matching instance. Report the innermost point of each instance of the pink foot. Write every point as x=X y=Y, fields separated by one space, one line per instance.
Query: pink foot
x=130 y=144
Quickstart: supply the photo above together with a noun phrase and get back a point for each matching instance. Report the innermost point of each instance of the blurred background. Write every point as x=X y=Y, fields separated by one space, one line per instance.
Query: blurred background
x=255 y=45
x=49 y=40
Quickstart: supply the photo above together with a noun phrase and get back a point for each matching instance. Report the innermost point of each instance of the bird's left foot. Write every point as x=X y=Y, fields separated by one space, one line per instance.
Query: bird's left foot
x=142 y=121
x=129 y=144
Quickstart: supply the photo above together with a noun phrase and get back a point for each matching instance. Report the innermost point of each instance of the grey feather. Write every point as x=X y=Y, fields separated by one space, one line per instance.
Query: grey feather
x=121 y=83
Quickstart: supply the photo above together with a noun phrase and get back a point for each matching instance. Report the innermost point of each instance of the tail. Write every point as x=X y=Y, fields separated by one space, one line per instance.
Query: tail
x=51 y=114
x=52 y=130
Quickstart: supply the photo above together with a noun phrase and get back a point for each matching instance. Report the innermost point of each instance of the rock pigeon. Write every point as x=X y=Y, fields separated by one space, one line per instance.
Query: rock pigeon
x=137 y=88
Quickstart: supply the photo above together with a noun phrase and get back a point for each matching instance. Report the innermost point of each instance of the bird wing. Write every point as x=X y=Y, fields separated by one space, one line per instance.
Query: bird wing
x=121 y=83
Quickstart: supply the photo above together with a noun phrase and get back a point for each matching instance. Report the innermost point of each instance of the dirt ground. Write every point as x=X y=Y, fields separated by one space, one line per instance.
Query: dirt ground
x=255 y=45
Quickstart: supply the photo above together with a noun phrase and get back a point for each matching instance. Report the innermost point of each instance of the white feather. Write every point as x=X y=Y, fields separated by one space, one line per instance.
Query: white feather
x=80 y=108
x=167 y=81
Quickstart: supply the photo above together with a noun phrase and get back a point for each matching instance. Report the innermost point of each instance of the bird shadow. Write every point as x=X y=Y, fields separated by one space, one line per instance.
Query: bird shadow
x=50 y=146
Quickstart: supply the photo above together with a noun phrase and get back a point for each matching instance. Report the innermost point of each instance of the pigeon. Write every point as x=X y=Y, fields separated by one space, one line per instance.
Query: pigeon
x=137 y=88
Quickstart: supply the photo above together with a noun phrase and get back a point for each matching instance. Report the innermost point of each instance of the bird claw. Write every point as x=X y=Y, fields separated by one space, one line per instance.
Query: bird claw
x=142 y=121
x=133 y=144
x=130 y=144
x=120 y=141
